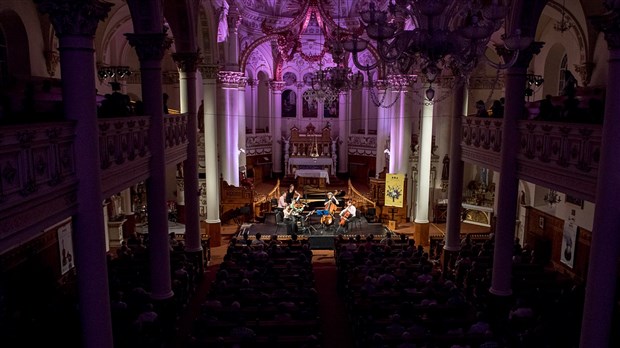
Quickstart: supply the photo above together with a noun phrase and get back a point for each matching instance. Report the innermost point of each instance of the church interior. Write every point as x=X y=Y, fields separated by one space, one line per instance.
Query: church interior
x=309 y=173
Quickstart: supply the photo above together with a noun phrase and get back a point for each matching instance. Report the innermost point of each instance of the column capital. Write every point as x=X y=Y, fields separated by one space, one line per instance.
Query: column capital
x=186 y=61
x=230 y=79
x=52 y=58
x=149 y=46
x=381 y=85
x=404 y=81
x=209 y=72
x=525 y=55
x=277 y=86
x=609 y=24
x=234 y=19
x=75 y=17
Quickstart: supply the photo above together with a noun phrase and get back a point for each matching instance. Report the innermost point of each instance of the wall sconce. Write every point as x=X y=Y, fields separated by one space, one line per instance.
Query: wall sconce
x=532 y=81
x=113 y=72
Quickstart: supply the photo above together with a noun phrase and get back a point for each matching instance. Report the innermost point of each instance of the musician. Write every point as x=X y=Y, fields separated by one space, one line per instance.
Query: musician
x=282 y=201
x=291 y=194
x=348 y=212
x=330 y=205
x=330 y=199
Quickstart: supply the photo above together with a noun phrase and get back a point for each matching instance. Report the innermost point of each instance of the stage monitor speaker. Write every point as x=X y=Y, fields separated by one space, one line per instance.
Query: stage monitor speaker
x=321 y=242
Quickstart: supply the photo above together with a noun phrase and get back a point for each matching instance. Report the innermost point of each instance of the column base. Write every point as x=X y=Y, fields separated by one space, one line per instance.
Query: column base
x=421 y=233
x=214 y=231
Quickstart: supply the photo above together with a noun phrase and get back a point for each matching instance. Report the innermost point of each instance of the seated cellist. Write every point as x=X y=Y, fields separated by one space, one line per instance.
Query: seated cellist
x=347 y=213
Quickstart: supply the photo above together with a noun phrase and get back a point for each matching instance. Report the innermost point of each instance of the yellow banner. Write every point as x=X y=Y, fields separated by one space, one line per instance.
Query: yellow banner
x=394 y=190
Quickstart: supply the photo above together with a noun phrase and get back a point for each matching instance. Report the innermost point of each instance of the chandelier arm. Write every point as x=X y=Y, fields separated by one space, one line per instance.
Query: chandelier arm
x=512 y=61
x=362 y=67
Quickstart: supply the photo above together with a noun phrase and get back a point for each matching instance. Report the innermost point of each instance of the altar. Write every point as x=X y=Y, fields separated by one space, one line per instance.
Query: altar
x=310 y=151
x=477 y=215
x=307 y=163
x=312 y=177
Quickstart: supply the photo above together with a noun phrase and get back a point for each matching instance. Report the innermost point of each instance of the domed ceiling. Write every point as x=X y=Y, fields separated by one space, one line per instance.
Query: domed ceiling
x=292 y=8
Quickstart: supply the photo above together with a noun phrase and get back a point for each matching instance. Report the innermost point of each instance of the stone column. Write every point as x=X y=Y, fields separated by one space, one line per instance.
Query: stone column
x=402 y=123
x=209 y=83
x=509 y=181
x=232 y=56
x=276 y=88
x=186 y=62
x=601 y=285
x=395 y=117
x=241 y=118
x=383 y=128
x=75 y=27
x=344 y=120
x=455 y=177
x=364 y=109
x=229 y=127
x=421 y=227
x=254 y=103
x=150 y=48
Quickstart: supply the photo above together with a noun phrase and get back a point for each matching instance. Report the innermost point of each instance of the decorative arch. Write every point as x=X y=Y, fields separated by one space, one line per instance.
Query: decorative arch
x=17 y=59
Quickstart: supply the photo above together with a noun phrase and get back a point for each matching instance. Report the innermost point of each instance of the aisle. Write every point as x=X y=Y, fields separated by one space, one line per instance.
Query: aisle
x=335 y=322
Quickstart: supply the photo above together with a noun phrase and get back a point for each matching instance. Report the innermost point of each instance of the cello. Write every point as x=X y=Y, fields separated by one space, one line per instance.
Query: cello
x=344 y=217
x=330 y=208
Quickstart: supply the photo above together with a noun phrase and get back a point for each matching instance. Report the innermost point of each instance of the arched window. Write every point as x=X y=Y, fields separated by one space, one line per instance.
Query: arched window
x=562 y=79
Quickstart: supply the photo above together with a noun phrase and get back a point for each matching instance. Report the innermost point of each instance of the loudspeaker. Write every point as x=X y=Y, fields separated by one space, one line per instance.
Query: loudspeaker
x=321 y=242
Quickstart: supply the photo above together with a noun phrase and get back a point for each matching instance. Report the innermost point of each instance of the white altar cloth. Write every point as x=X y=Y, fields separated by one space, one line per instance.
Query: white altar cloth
x=307 y=161
x=312 y=173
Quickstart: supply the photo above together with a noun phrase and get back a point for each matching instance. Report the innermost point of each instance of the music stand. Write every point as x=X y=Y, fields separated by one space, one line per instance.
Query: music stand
x=308 y=228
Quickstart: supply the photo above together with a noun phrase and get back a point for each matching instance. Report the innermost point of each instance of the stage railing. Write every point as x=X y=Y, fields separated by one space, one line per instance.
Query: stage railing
x=360 y=201
x=262 y=203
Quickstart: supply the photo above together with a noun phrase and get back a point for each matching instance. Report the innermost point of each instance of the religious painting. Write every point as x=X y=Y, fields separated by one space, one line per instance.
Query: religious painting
x=310 y=106
x=330 y=109
x=289 y=103
x=569 y=240
x=65 y=246
x=289 y=78
x=574 y=200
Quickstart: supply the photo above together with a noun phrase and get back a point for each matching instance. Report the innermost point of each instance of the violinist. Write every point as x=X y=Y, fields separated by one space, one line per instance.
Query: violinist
x=348 y=212
x=292 y=194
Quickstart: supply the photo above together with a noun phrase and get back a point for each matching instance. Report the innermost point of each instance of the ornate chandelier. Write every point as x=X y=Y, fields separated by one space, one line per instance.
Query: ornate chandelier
x=564 y=24
x=552 y=198
x=428 y=36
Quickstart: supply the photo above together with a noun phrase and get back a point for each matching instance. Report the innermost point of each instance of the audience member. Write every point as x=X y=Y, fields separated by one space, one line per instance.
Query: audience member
x=481 y=109
x=497 y=109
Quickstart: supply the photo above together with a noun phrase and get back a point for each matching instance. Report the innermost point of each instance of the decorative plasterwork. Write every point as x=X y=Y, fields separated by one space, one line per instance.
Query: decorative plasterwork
x=230 y=79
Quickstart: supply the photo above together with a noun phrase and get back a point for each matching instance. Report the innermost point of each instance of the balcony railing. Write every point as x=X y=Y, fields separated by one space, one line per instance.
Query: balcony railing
x=558 y=155
x=37 y=167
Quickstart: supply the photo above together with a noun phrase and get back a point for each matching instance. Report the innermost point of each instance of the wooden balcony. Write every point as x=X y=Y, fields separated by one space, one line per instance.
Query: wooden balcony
x=38 y=181
x=558 y=155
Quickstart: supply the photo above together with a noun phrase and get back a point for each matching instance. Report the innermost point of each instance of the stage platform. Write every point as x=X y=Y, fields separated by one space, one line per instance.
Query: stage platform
x=320 y=236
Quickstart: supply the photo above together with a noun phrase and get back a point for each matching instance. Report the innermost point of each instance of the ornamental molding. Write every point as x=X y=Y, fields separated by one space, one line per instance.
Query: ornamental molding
x=230 y=79
x=209 y=72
